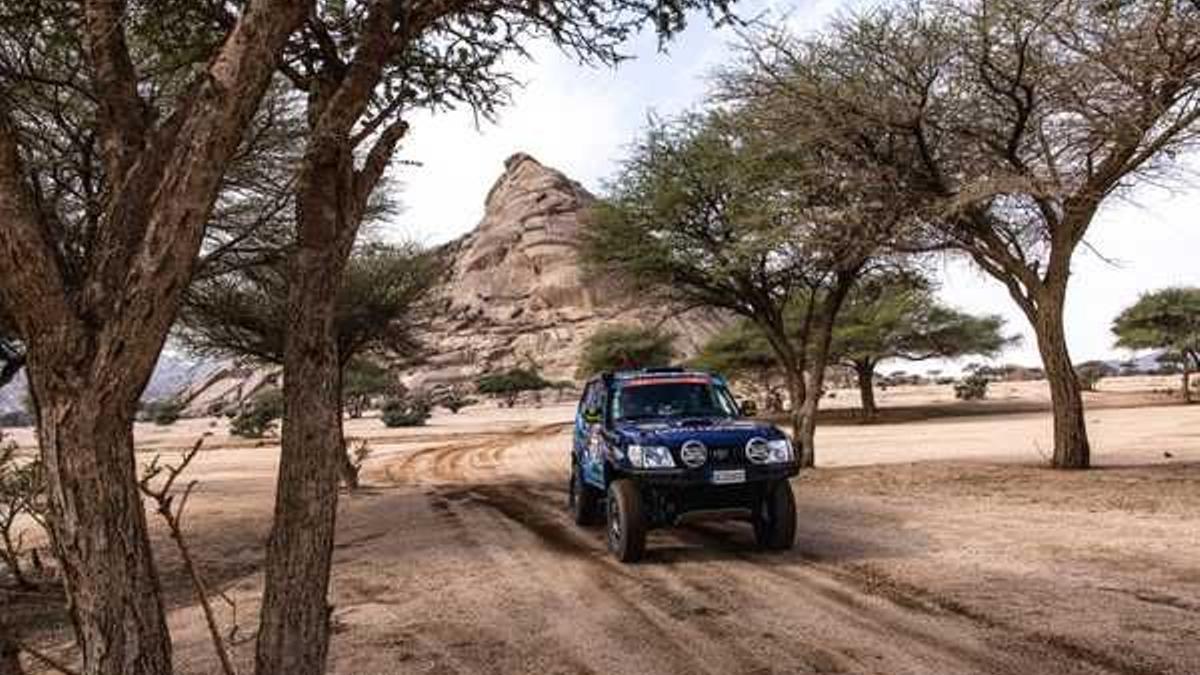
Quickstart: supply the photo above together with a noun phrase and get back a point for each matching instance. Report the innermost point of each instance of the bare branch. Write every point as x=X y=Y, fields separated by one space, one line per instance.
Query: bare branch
x=172 y=515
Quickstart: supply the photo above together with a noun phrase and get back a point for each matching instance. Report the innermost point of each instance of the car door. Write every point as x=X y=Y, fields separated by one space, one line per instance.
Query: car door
x=589 y=440
x=580 y=437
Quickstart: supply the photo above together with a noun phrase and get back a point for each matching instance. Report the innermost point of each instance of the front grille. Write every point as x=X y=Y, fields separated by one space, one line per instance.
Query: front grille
x=725 y=456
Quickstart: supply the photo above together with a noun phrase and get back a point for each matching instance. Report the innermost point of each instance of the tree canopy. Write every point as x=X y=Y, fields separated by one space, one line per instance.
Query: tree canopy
x=898 y=316
x=1011 y=121
x=625 y=347
x=708 y=212
x=1167 y=319
x=242 y=314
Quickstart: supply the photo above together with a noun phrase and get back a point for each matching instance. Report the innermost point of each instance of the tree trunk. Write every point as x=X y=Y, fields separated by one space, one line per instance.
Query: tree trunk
x=819 y=360
x=796 y=395
x=294 y=629
x=10 y=654
x=99 y=525
x=11 y=556
x=866 y=387
x=1071 y=447
x=294 y=633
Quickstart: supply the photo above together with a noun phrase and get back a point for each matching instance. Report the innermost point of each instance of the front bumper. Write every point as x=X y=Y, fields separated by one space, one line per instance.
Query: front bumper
x=702 y=476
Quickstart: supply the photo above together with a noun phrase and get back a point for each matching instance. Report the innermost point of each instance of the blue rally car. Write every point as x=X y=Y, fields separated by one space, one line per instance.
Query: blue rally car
x=655 y=447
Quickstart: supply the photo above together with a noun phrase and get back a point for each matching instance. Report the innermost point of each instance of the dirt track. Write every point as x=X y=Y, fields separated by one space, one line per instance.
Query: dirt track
x=460 y=558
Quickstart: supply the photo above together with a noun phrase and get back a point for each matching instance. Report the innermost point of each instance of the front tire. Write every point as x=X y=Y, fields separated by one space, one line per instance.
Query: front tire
x=626 y=521
x=775 y=518
x=583 y=499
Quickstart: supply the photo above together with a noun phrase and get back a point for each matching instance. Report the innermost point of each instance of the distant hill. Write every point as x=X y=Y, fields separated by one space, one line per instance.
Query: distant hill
x=173 y=375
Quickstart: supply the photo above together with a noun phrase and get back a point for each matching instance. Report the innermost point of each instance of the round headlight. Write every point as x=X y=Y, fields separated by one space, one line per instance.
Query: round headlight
x=758 y=450
x=693 y=454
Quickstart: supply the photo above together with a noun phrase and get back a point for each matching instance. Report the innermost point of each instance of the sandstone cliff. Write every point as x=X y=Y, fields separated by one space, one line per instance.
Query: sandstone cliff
x=515 y=294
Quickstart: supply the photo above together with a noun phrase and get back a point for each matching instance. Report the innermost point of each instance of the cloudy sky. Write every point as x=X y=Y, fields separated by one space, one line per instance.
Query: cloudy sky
x=581 y=120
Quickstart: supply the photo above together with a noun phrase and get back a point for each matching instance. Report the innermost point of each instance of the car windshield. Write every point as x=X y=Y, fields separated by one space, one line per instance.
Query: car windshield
x=672 y=399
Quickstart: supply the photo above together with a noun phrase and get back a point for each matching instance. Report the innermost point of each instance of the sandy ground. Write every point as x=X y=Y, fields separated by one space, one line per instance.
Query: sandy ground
x=937 y=546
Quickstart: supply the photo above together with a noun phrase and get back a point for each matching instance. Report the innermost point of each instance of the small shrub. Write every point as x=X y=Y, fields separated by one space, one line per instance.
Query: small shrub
x=257 y=418
x=165 y=413
x=16 y=418
x=509 y=384
x=1088 y=378
x=406 y=412
x=454 y=400
x=973 y=388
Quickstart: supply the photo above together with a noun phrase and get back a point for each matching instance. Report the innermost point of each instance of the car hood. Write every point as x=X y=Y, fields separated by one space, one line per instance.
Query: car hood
x=713 y=432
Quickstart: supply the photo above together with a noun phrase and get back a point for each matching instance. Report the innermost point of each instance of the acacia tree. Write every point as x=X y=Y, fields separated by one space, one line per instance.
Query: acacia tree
x=899 y=317
x=707 y=212
x=242 y=314
x=741 y=351
x=1014 y=121
x=360 y=68
x=95 y=254
x=625 y=347
x=1167 y=319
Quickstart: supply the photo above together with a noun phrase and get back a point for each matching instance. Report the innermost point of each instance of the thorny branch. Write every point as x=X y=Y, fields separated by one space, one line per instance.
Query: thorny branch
x=164 y=498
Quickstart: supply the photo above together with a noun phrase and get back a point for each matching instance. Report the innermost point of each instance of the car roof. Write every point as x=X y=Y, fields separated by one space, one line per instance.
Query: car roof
x=646 y=376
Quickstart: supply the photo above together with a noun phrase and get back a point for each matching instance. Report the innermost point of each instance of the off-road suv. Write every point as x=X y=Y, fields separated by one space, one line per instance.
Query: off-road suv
x=654 y=448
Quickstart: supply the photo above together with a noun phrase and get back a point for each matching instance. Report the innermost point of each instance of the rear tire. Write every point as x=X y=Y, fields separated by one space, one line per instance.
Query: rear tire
x=582 y=499
x=626 y=529
x=775 y=518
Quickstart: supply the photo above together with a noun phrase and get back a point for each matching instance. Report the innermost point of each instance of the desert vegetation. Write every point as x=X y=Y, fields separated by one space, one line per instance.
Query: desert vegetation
x=625 y=348
x=212 y=173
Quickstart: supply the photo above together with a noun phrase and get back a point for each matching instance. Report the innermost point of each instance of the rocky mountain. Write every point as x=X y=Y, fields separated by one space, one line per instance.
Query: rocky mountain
x=515 y=293
x=174 y=374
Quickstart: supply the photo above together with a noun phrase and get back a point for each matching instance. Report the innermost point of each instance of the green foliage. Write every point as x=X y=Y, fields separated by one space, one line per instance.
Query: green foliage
x=1167 y=319
x=513 y=380
x=737 y=351
x=625 y=347
x=659 y=231
x=258 y=416
x=409 y=411
x=363 y=379
x=509 y=384
x=164 y=413
x=1090 y=373
x=973 y=387
x=244 y=313
x=899 y=316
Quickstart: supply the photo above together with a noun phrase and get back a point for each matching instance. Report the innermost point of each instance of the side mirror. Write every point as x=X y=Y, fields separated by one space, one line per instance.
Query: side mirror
x=748 y=408
x=591 y=416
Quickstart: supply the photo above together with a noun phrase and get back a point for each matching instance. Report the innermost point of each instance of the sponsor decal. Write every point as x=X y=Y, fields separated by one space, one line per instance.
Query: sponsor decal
x=647 y=381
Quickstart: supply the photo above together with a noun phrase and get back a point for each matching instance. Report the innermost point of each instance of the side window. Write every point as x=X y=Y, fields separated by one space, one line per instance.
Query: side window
x=583 y=400
x=591 y=397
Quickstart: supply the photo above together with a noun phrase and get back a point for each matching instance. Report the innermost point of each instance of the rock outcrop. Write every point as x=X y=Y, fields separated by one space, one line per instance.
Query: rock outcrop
x=515 y=292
